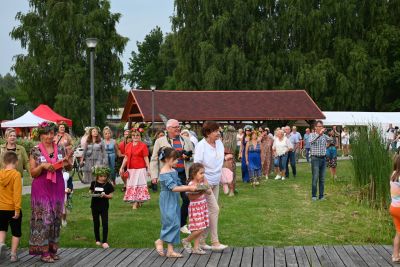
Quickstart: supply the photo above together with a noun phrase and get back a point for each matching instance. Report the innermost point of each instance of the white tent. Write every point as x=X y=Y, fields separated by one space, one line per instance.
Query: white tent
x=27 y=120
x=351 y=118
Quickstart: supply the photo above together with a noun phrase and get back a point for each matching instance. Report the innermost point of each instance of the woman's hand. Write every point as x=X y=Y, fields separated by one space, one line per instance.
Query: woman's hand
x=47 y=167
x=154 y=181
x=121 y=172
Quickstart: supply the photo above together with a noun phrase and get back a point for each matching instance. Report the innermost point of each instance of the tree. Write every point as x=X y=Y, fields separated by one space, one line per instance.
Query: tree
x=55 y=69
x=9 y=89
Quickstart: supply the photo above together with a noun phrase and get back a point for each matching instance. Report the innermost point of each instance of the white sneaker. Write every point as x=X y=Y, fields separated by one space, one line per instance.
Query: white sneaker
x=64 y=223
x=278 y=177
x=206 y=247
x=283 y=178
x=266 y=177
x=220 y=247
x=185 y=230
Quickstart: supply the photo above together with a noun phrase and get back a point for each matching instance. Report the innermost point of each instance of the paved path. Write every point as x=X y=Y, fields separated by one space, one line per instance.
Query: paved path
x=308 y=256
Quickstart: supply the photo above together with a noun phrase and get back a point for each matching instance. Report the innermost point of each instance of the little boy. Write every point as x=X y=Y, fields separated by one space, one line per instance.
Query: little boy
x=10 y=204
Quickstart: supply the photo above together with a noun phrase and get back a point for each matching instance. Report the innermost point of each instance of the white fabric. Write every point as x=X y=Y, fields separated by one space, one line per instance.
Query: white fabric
x=27 y=120
x=281 y=146
x=194 y=140
x=212 y=159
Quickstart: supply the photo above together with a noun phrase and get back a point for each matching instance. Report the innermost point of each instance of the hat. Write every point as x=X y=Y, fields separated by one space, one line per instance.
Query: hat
x=248 y=128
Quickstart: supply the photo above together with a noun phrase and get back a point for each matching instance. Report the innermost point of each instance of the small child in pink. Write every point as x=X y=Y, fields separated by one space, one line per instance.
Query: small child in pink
x=198 y=210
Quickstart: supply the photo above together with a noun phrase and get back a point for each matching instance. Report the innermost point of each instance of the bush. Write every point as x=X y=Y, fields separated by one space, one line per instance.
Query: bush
x=372 y=166
x=27 y=144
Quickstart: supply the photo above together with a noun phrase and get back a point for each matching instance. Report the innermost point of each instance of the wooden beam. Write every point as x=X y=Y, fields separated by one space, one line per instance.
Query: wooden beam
x=135 y=115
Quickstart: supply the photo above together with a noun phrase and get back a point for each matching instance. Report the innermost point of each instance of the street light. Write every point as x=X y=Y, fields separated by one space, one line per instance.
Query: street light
x=13 y=104
x=91 y=43
x=153 y=89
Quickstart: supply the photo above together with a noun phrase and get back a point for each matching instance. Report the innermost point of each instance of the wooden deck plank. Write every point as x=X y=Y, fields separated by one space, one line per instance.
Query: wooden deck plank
x=301 y=256
x=214 y=260
x=105 y=262
x=134 y=258
x=181 y=261
x=334 y=257
x=258 y=257
x=290 y=257
x=35 y=260
x=341 y=252
x=365 y=255
x=226 y=255
x=170 y=261
x=358 y=261
x=280 y=260
x=383 y=252
x=312 y=256
x=122 y=256
x=64 y=255
x=21 y=254
x=149 y=259
x=76 y=257
x=192 y=260
x=247 y=257
x=94 y=257
x=236 y=258
x=323 y=257
x=159 y=260
x=104 y=254
x=203 y=260
x=376 y=256
x=269 y=257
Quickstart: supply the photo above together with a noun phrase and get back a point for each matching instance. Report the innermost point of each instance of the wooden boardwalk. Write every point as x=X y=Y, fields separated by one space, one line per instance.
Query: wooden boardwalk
x=324 y=256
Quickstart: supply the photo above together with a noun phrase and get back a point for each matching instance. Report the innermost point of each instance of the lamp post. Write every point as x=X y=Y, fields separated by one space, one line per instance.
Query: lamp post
x=91 y=43
x=153 y=89
x=13 y=104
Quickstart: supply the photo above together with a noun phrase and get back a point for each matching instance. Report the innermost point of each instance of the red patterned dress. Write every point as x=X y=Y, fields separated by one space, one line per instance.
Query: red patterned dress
x=136 y=185
x=198 y=213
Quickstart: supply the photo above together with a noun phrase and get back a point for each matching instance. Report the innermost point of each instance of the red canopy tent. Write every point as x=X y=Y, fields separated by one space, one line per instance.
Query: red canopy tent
x=45 y=112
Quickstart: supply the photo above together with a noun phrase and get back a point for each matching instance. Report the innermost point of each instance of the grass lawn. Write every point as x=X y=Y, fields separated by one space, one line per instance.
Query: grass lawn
x=276 y=213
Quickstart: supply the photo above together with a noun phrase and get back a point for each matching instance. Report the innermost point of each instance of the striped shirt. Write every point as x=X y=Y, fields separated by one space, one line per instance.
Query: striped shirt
x=318 y=144
x=177 y=145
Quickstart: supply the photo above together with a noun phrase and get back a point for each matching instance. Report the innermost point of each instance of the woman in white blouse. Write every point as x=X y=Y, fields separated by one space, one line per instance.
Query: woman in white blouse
x=210 y=153
x=280 y=148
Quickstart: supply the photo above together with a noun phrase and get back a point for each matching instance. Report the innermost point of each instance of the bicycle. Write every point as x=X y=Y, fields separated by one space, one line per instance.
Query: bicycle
x=76 y=167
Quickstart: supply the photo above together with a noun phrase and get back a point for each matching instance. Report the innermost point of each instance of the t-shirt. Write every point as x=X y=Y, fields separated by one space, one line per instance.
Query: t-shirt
x=307 y=140
x=212 y=159
x=136 y=154
x=100 y=203
x=294 y=138
x=178 y=146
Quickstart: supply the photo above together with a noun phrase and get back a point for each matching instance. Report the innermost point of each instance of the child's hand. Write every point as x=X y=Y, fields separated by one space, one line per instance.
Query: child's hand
x=102 y=194
x=209 y=191
x=192 y=188
x=16 y=215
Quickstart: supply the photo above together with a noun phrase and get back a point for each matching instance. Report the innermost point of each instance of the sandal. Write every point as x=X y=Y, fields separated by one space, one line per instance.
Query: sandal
x=174 y=255
x=55 y=257
x=47 y=259
x=159 y=248
x=395 y=259
x=198 y=251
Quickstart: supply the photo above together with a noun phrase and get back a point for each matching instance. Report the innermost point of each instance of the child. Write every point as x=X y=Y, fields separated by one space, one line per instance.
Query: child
x=169 y=202
x=198 y=210
x=69 y=187
x=102 y=192
x=10 y=204
x=395 y=207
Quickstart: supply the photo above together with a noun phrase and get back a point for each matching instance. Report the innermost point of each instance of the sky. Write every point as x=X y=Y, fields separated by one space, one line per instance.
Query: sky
x=138 y=18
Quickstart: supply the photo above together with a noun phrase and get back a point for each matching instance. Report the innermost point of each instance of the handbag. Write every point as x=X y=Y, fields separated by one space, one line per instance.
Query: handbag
x=125 y=175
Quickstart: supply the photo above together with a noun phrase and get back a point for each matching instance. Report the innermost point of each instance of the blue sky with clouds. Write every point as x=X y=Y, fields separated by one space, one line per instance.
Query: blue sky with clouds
x=139 y=17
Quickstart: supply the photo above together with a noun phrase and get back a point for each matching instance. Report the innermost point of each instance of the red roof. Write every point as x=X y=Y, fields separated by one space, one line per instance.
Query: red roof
x=45 y=112
x=222 y=105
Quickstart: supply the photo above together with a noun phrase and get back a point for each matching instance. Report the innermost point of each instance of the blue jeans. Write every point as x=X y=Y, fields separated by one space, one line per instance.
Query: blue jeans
x=282 y=160
x=292 y=159
x=308 y=154
x=318 y=165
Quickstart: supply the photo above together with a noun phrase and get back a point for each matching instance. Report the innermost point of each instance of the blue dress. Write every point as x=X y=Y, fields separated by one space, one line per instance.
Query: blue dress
x=110 y=149
x=245 y=172
x=170 y=208
x=254 y=161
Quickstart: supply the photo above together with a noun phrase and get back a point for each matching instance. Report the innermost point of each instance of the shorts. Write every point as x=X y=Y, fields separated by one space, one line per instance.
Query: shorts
x=331 y=162
x=6 y=219
x=395 y=212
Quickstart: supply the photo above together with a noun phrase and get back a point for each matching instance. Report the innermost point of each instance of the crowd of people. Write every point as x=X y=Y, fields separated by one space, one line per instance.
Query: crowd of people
x=183 y=166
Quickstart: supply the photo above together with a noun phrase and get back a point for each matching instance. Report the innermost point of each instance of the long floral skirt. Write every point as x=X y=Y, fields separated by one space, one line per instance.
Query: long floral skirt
x=136 y=186
x=47 y=202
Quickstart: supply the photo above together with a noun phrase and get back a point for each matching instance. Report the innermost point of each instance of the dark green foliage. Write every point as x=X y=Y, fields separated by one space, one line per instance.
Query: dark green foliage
x=55 y=70
x=345 y=53
x=372 y=166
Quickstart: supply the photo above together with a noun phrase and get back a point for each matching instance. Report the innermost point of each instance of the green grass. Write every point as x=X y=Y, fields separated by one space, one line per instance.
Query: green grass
x=276 y=213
